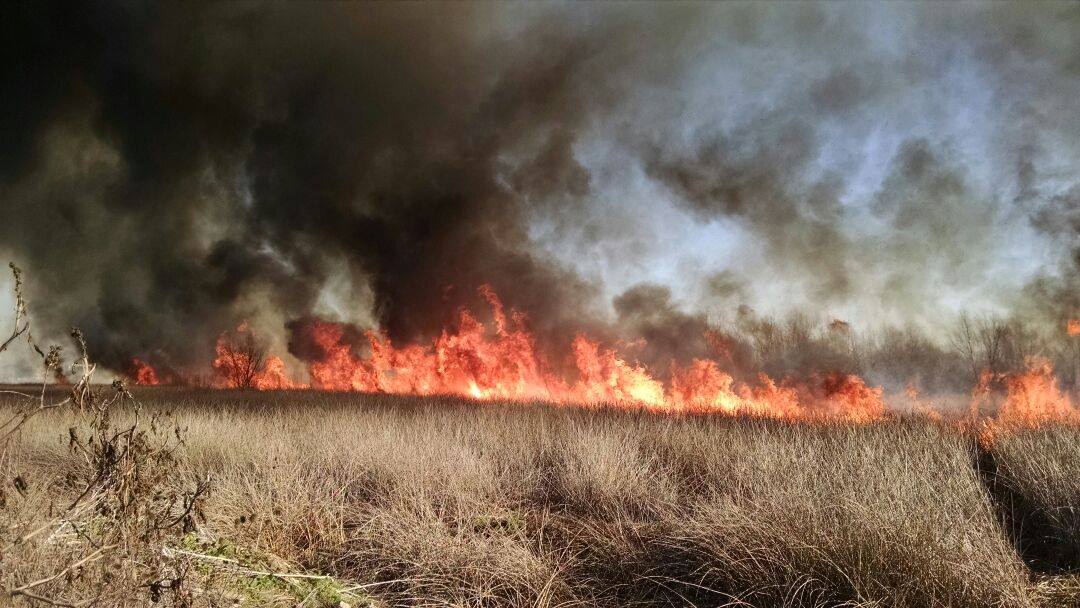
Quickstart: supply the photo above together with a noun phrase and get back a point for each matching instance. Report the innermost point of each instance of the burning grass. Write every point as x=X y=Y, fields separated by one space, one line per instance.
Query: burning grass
x=437 y=501
x=499 y=361
x=466 y=473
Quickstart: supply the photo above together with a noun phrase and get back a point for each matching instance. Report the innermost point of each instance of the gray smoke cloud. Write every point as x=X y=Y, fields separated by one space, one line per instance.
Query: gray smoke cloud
x=170 y=170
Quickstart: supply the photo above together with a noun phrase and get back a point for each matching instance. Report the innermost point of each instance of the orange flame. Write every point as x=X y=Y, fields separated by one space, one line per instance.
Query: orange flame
x=920 y=406
x=466 y=362
x=273 y=376
x=605 y=378
x=703 y=387
x=239 y=363
x=1031 y=398
x=143 y=373
x=847 y=396
x=1072 y=327
x=501 y=363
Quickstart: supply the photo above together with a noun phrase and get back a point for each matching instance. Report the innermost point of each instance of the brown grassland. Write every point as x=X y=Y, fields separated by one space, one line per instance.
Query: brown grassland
x=322 y=499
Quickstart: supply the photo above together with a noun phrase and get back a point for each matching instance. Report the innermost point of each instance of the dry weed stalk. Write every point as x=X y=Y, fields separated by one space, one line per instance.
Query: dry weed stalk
x=105 y=543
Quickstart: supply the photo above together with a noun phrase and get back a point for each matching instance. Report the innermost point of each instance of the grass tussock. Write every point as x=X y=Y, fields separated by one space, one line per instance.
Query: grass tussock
x=1036 y=482
x=434 y=502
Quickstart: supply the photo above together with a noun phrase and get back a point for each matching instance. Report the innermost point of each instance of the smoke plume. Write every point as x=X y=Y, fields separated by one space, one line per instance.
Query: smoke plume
x=168 y=171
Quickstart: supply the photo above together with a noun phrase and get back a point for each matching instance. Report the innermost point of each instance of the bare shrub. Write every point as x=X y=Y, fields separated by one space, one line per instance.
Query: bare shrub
x=240 y=358
x=96 y=535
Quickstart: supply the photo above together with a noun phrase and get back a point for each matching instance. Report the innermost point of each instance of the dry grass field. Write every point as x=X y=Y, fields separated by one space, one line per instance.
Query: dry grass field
x=321 y=499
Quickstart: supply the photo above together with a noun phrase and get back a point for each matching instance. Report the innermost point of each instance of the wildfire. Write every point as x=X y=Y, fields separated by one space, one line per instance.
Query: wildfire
x=605 y=378
x=241 y=363
x=921 y=407
x=143 y=373
x=1072 y=327
x=501 y=363
x=498 y=361
x=1031 y=398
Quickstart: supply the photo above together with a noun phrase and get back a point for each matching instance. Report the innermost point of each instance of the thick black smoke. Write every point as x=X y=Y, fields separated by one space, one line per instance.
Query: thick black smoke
x=163 y=162
x=168 y=170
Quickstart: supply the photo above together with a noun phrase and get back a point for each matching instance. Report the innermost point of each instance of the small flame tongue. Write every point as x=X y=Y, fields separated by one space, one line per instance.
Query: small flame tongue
x=143 y=374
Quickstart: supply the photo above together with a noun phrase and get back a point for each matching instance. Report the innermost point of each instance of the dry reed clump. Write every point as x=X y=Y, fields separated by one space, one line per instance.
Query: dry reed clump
x=462 y=559
x=1036 y=479
x=874 y=515
x=799 y=515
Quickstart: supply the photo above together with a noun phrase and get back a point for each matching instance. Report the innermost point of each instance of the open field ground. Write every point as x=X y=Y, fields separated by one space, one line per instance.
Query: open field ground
x=435 y=502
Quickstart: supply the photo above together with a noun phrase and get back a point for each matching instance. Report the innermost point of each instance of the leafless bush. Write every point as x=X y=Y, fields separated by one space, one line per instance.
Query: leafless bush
x=1038 y=475
x=100 y=538
x=240 y=358
x=795 y=345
